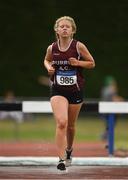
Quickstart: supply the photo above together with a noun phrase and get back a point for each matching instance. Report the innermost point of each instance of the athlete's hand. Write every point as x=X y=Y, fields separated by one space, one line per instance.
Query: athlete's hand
x=51 y=70
x=74 y=61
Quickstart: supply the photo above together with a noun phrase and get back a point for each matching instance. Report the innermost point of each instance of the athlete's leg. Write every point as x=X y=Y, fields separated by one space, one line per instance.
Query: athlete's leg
x=60 y=110
x=73 y=112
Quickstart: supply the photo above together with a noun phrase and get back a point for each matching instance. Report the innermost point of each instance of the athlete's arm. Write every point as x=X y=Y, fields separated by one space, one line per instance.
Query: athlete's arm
x=48 y=61
x=87 y=61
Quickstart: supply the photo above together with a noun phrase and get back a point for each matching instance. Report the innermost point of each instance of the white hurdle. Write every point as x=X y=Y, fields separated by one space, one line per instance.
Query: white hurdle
x=112 y=108
x=36 y=107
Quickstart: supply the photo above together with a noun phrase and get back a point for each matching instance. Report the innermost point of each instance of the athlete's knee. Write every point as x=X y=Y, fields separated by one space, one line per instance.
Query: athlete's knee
x=62 y=124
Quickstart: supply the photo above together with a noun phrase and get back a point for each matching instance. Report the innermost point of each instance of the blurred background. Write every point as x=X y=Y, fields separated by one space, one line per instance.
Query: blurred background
x=26 y=30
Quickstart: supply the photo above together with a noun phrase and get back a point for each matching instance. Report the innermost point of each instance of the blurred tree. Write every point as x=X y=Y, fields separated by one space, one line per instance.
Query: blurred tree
x=27 y=25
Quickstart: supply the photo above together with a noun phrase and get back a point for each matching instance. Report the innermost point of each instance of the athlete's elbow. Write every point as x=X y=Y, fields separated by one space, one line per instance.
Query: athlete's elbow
x=92 y=65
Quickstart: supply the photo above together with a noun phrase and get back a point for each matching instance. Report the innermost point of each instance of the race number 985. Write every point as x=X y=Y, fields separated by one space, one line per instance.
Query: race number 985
x=66 y=80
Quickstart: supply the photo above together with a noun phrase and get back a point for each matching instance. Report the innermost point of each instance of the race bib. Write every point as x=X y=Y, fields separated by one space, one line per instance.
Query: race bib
x=66 y=77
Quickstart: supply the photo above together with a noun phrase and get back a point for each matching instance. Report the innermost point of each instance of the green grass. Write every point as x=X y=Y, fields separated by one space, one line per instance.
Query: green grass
x=42 y=128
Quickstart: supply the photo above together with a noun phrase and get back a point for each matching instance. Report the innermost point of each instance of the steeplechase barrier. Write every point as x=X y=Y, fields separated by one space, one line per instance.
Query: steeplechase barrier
x=49 y=161
x=109 y=108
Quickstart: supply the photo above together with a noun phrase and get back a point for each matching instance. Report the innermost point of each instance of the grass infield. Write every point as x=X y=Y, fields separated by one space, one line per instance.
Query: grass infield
x=42 y=128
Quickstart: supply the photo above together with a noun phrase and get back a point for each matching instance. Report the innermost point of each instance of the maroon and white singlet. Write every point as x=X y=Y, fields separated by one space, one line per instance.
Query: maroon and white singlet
x=66 y=78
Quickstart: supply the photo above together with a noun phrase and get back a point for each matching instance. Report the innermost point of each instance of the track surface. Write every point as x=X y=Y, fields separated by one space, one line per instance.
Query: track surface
x=50 y=172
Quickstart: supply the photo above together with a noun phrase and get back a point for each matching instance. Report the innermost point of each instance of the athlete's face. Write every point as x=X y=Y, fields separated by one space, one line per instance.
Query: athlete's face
x=64 y=29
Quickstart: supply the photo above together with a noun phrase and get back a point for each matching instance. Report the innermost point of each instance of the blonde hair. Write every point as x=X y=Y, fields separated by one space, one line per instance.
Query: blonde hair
x=70 y=19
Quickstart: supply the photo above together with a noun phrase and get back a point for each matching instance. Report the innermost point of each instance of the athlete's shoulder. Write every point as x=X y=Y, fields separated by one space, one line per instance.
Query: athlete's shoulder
x=80 y=45
x=49 y=48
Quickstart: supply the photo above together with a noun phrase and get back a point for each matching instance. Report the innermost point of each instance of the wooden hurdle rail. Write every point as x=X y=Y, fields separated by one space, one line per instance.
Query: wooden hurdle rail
x=109 y=108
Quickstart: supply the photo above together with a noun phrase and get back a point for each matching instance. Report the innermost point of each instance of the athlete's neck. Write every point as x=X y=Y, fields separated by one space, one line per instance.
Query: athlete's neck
x=64 y=43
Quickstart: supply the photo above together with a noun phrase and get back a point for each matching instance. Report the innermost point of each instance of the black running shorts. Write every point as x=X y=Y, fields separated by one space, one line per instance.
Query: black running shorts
x=72 y=97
